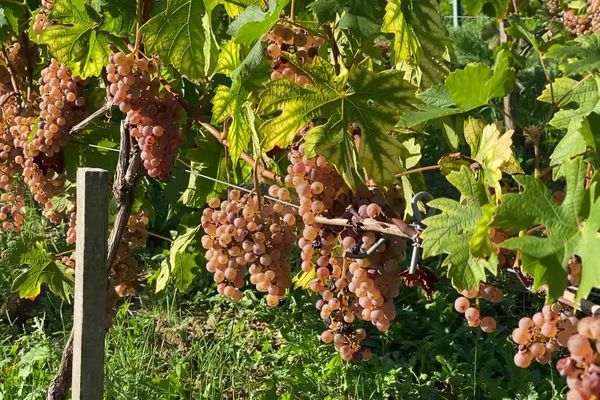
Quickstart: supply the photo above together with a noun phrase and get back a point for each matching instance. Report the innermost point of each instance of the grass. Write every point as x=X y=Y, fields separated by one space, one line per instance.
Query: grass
x=202 y=346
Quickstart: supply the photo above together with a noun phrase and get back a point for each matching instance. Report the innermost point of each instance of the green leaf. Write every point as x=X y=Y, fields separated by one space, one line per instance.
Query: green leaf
x=480 y=244
x=420 y=38
x=326 y=10
x=206 y=160
x=229 y=58
x=459 y=227
x=119 y=16
x=579 y=56
x=477 y=84
x=11 y=16
x=491 y=8
x=76 y=38
x=42 y=270
x=577 y=100
x=372 y=100
x=179 y=267
x=182 y=36
x=436 y=104
x=229 y=103
x=570 y=229
x=253 y=22
x=93 y=149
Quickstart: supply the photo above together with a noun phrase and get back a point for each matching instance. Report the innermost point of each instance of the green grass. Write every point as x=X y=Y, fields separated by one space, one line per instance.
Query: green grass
x=202 y=346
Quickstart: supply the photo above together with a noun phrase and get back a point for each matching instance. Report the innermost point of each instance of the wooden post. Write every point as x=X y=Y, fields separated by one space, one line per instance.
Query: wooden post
x=90 y=284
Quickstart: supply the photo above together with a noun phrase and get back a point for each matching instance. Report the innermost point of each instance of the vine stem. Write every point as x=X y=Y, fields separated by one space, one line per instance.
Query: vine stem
x=11 y=71
x=420 y=169
x=25 y=44
x=334 y=48
x=292 y=6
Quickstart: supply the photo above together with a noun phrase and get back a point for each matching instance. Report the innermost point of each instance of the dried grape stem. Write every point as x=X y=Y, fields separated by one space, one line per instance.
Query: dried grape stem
x=372 y=225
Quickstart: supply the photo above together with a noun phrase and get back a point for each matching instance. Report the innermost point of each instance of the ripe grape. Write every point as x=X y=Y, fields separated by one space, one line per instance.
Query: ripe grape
x=152 y=114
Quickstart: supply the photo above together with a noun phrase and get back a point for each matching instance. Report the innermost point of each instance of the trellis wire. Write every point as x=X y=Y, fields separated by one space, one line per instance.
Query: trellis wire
x=210 y=178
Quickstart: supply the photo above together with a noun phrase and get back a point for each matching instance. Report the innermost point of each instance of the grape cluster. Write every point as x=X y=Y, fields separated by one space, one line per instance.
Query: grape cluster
x=574 y=270
x=582 y=366
x=351 y=289
x=505 y=257
x=553 y=8
x=293 y=40
x=71 y=230
x=61 y=107
x=41 y=20
x=583 y=24
x=472 y=313
x=123 y=274
x=152 y=114
x=247 y=233
x=12 y=210
x=543 y=334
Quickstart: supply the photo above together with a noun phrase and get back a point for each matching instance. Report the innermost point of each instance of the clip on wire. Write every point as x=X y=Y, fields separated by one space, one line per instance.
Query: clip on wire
x=424 y=197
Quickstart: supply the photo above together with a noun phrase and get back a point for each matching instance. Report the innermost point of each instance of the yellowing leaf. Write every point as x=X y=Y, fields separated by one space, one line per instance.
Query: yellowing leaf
x=372 y=100
x=76 y=38
x=421 y=40
x=494 y=150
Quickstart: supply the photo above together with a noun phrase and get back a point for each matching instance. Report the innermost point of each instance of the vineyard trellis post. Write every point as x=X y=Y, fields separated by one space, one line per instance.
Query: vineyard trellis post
x=90 y=285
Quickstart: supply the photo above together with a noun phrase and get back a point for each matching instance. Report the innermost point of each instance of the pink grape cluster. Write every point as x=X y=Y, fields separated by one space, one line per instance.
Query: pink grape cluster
x=152 y=114
x=543 y=334
x=472 y=313
x=247 y=233
x=582 y=366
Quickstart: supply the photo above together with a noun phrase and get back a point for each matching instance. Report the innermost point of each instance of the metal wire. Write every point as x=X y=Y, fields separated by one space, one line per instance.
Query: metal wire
x=210 y=178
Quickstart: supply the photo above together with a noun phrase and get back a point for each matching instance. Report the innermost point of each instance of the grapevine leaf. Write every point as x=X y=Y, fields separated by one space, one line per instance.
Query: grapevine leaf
x=76 y=38
x=579 y=56
x=326 y=10
x=459 y=227
x=464 y=90
x=180 y=265
x=229 y=58
x=477 y=84
x=118 y=15
x=577 y=101
x=182 y=36
x=10 y=18
x=491 y=8
x=253 y=22
x=480 y=244
x=436 y=103
x=494 y=150
x=421 y=39
x=205 y=159
x=232 y=8
x=372 y=100
x=571 y=228
x=181 y=273
x=42 y=270
x=362 y=18
x=227 y=104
